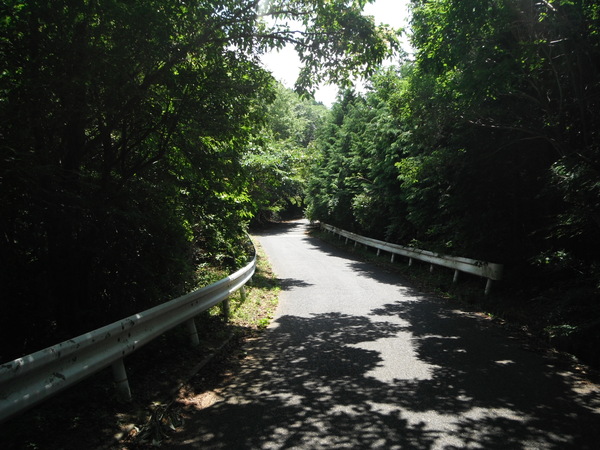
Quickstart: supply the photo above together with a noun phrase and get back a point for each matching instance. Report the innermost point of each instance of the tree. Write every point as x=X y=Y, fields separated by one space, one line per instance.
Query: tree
x=488 y=130
x=279 y=164
x=493 y=132
x=332 y=37
x=520 y=78
x=123 y=127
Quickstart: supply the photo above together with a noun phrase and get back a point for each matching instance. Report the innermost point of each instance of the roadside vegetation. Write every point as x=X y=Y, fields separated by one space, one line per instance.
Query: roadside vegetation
x=139 y=139
x=89 y=414
x=484 y=145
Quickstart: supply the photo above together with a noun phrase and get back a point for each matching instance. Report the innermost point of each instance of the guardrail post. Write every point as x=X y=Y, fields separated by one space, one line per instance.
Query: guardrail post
x=226 y=309
x=455 y=278
x=346 y=240
x=410 y=261
x=378 y=251
x=243 y=293
x=121 y=382
x=488 y=287
x=430 y=268
x=193 y=332
x=392 y=258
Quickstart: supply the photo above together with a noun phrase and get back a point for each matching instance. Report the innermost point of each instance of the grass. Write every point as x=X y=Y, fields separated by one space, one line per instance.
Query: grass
x=262 y=295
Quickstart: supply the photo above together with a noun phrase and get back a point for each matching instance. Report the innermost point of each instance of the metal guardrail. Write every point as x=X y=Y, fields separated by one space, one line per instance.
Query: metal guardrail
x=491 y=271
x=29 y=380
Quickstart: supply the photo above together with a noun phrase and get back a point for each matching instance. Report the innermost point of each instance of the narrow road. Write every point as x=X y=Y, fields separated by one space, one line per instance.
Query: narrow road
x=356 y=358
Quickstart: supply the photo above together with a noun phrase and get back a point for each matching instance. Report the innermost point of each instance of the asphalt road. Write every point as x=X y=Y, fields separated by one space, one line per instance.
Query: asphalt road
x=356 y=358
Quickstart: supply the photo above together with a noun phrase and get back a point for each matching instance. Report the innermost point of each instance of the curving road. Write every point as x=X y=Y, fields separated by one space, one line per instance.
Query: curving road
x=356 y=358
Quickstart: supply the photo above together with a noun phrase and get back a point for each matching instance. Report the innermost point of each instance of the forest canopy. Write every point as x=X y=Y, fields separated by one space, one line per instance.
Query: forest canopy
x=139 y=139
x=128 y=134
x=485 y=145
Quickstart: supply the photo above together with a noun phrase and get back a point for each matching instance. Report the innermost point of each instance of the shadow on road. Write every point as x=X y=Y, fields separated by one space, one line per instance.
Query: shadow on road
x=304 y=389
x=314 y=382
x=308 y=386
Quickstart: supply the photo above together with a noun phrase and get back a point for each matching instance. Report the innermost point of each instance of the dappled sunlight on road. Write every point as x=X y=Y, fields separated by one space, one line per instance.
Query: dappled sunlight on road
x=356 y=359
x=308 y=392
x=394 y=348
x=319 y=382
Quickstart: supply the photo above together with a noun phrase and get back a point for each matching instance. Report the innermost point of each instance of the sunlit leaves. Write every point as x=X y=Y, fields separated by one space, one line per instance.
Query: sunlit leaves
x=277 y=166
x=332 y=37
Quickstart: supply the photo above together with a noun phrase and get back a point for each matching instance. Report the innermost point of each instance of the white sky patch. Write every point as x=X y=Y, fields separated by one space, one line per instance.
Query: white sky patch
x=285 y=64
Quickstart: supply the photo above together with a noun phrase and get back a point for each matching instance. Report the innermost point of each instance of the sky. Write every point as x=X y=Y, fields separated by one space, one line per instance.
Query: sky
x=284 y=65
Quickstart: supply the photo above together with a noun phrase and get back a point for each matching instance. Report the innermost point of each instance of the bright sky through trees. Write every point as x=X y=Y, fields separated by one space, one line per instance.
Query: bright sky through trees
x=285 y=64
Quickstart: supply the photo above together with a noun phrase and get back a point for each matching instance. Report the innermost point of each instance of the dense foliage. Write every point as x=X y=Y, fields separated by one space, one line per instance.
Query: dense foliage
x=139 y=138
x=486 y=145
x=125 y=134
x=278 y=166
